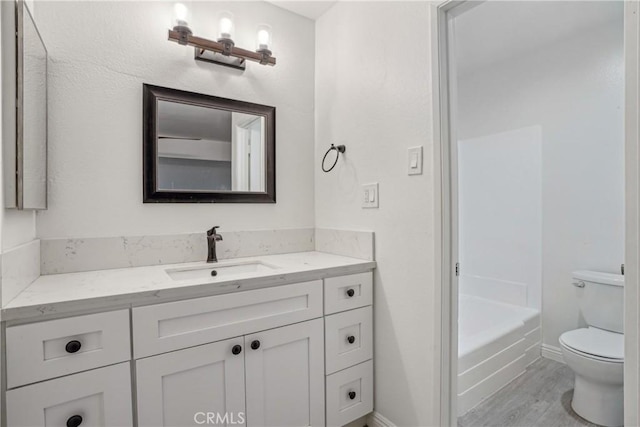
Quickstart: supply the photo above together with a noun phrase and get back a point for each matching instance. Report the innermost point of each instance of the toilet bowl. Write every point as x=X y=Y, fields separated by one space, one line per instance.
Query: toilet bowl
x=596 y=358
x=596 y=353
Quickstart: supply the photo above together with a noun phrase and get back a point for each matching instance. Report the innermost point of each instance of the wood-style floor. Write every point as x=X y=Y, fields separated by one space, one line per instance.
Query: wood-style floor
x=539 y=397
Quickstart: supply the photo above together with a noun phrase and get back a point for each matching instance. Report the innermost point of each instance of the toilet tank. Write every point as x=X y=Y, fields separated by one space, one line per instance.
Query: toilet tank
x=601 y=299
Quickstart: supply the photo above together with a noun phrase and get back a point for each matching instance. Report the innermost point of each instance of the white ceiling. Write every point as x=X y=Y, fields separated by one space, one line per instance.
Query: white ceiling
x=496 y=30
x=311 y=9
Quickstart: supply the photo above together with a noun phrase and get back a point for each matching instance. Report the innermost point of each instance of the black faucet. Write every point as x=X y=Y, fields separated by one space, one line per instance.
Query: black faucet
x=212 y=238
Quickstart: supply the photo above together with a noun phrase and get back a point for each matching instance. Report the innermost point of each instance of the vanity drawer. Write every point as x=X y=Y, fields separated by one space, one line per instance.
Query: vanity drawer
x=348 y=338
x=165 y=327
x=101 y=397
x=348 y=292
x=44 y=350
x=349 y=394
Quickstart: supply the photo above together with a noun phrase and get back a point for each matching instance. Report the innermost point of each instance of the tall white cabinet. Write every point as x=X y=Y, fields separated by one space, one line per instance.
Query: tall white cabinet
x=291 y=355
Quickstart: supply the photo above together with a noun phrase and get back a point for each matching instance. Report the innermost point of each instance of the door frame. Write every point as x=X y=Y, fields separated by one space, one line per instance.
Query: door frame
x=445 y=200
x=632 y=213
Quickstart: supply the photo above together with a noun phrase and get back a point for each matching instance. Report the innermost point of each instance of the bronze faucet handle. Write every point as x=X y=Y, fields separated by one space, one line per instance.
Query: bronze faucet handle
x=212 y=231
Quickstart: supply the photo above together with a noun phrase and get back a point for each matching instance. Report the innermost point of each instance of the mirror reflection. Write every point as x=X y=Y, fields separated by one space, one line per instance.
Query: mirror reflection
x=209 y=149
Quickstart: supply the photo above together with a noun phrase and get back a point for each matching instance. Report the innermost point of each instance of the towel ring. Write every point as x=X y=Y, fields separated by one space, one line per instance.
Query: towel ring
x=339 y=149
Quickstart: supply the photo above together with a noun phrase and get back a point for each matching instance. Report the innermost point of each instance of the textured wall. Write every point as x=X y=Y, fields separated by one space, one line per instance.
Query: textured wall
x=96 y=78
x=373 y=94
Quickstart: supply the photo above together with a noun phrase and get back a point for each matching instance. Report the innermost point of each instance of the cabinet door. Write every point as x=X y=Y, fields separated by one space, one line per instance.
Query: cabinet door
x=196 y=386
x=99 y=398
x=285 y=376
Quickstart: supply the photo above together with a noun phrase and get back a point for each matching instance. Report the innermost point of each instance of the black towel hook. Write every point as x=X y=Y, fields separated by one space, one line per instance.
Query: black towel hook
x=339 y=149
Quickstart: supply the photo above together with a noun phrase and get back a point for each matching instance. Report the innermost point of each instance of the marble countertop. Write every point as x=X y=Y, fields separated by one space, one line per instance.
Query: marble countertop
x=110 y=289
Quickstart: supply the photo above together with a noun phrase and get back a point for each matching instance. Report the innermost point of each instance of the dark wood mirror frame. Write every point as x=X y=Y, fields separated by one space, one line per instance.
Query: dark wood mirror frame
x=151 y=96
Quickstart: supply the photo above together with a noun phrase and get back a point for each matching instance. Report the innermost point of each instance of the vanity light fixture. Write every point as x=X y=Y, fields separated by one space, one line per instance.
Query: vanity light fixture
x=223 y=50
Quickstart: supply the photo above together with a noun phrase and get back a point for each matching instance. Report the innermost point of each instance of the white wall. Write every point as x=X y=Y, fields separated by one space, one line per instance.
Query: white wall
x=573 y=89
x=373 y=94
x=95 y=130
x=500 y=216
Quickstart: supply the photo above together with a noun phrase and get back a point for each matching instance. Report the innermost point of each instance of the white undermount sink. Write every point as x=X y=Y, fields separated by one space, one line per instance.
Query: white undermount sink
x=224 y=270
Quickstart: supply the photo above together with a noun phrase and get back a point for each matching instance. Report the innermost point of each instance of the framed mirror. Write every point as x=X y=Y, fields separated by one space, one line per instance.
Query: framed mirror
x=205 y=149
x=26 y=160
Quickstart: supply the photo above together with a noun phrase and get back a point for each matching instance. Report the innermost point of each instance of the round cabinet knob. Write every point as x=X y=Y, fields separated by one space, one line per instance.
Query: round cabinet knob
x=73 y=347
x=255 y=344
x=351 y=339
x=214 y=273
x=74 y=421
x=236 y=349
x=352 y=395
x=351 y=292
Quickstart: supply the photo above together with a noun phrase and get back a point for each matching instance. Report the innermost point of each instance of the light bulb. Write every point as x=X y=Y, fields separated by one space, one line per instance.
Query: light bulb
x=225 y=25
x=181 y=13
x=263 y=37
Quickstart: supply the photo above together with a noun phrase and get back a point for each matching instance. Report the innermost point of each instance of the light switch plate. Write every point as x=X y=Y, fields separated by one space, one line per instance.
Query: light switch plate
x=414 y=161
x=370 y=195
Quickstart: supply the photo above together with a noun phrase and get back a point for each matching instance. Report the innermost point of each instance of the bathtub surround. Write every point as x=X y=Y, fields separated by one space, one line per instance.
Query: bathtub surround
x=500 y=220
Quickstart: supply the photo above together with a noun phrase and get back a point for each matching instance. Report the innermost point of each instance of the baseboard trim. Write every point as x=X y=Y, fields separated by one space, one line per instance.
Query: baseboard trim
x=552 y=352
x=377 y=420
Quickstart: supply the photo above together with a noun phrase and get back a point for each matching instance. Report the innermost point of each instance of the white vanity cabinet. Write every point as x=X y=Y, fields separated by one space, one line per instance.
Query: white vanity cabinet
x=348 y=347
x=296 y=354
x=271 y=378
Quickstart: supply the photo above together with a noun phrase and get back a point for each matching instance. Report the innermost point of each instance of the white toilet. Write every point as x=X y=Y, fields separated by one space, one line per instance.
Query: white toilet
x=596 y=354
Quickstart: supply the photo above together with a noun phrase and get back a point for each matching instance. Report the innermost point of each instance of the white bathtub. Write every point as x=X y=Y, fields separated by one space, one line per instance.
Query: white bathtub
x=496 y=342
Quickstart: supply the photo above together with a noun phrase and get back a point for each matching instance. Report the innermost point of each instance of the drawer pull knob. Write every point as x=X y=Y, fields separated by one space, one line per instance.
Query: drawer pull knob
x=351 y=292
x=73 y=347
x=351 y=339
x=236 y=349
x=74 y=421
x=352 y=395
x=255 y=344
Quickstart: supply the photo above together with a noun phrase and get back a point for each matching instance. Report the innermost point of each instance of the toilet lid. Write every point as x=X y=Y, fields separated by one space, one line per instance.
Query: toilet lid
x=595 y=341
